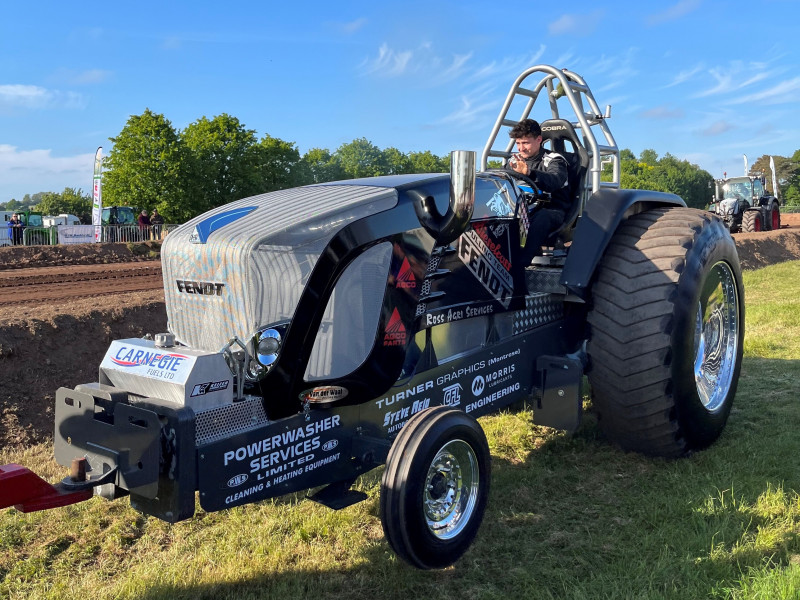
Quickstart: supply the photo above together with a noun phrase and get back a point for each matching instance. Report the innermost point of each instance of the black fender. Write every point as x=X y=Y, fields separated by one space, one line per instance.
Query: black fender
x=604 y=211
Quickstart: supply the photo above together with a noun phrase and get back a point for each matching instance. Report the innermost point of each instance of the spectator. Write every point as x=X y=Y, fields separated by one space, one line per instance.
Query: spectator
x=144 y=225
x=156 y=220
x=15 y=228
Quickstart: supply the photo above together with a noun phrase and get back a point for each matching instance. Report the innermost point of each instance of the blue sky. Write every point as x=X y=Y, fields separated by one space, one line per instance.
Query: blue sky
x=705 y=80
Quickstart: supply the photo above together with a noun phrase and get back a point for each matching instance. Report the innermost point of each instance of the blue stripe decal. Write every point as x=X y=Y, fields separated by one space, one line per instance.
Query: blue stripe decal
x=205 y=228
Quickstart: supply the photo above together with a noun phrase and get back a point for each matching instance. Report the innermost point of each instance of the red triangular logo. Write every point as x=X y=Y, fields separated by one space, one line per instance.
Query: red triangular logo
x=405 y=278
x=395 y=331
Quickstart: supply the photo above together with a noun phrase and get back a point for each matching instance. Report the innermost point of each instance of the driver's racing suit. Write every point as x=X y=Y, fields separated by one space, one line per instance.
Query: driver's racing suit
x=549 y=172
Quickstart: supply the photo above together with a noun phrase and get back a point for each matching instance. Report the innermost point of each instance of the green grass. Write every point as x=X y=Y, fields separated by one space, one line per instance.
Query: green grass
x=568 y=517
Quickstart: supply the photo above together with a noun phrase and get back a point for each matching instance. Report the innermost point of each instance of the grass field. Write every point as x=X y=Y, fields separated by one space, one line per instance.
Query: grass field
x=568 y=517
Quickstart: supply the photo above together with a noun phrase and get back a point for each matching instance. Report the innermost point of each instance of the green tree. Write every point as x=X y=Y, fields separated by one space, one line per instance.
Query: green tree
x=319 y=166
x=224 y=163
x=278 y=163
x=13 y=204
x=396 y=162
x=70 y=201
x=427 y=162
x=361 y=158
x=145 y=168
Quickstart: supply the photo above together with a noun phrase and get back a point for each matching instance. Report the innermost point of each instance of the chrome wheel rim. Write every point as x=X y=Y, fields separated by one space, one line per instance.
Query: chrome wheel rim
x=716 y=338
x=451 y=489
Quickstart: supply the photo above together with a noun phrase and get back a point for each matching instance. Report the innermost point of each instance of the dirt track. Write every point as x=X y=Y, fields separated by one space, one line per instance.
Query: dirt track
x=61 y=306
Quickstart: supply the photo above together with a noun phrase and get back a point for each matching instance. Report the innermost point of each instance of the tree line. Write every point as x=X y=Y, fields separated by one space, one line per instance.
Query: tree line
x=211 y=162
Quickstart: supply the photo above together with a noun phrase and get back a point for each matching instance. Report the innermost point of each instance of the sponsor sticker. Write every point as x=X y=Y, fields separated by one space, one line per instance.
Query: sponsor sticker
x=487 y=264
x=202 y=389
x=451 y=314
x=395 y=331
x=324 y=393
x=452 y=395
x=237 y=480
x=405 y=277
x=395 y=419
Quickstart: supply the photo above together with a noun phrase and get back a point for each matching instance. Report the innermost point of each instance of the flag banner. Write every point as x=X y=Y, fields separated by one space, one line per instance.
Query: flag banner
x=746 y=173
x=97 y=195
x=774 y=176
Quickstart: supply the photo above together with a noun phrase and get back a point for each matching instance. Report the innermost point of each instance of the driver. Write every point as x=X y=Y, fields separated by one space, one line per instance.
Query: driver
x=549 y=172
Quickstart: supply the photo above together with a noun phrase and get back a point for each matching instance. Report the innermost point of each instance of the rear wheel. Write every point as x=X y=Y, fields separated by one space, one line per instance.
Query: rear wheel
x=435 y=487
x=775 y=217
x=667 y=327
x=751 y=221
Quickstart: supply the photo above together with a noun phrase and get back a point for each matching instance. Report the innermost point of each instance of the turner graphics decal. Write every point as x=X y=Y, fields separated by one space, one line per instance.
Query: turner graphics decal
x=395 y=331
x=416 y=390
x=488 y=265
x=405 y=277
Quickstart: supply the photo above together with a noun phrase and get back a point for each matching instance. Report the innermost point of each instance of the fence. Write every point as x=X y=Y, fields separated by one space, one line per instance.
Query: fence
x=85 y=234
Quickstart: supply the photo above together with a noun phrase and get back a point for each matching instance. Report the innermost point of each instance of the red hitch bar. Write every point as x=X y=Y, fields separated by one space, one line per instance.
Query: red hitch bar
x=27 y=492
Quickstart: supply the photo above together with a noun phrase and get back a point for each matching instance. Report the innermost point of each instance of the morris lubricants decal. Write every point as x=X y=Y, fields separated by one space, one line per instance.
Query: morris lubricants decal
x=207 y=226
x=487 y=263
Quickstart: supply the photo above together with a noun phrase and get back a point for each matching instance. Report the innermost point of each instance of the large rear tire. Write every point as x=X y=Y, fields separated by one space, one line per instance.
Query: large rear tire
x=435 y=487
x=666 y=332
x=775 y=217
x=751 y=221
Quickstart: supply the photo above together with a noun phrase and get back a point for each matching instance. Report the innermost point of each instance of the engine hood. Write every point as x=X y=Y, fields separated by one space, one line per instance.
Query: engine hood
x=245 y=264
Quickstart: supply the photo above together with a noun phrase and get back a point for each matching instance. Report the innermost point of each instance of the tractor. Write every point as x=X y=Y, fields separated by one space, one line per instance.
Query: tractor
x=321 y=332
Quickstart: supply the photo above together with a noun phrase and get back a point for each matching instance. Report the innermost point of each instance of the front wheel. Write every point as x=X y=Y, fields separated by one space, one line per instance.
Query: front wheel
x=667 y=328
x=751 y=221
x=435 y=487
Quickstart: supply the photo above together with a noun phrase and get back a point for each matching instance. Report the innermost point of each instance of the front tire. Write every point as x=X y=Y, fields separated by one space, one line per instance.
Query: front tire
x=435 y=487
x=667 y=329
x=751 y=221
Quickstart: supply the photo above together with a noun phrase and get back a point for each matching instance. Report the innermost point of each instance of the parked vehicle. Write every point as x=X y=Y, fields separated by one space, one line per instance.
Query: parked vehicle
x=319 y=332
x=744 y=204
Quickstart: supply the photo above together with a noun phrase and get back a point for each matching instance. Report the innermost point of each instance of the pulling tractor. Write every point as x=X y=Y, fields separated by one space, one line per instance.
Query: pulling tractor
x=318 y=333
x=744 y=204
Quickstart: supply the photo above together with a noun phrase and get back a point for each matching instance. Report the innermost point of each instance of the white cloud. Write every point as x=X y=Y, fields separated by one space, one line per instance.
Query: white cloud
x=784 y=92
x=734 y=77
x=51 y=173
x=663 y=112
x=685 y=75
x=676 y=11
x=575 y=25
x=37 y=97
x=717 y=128
x=388 y=63
x=351 y=27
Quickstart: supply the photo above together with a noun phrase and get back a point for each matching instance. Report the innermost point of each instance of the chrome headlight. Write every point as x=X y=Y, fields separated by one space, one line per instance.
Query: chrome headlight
x=266 y=344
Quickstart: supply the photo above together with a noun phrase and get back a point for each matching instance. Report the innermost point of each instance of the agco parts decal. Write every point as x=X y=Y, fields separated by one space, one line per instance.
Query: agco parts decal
x=395 y=331
x=487 y=264
x=202 y=389
x=211 y=224
x=324 y=393
x=405 y=277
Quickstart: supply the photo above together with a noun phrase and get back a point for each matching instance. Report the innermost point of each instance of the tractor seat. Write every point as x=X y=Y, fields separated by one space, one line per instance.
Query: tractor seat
x=556 y=133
